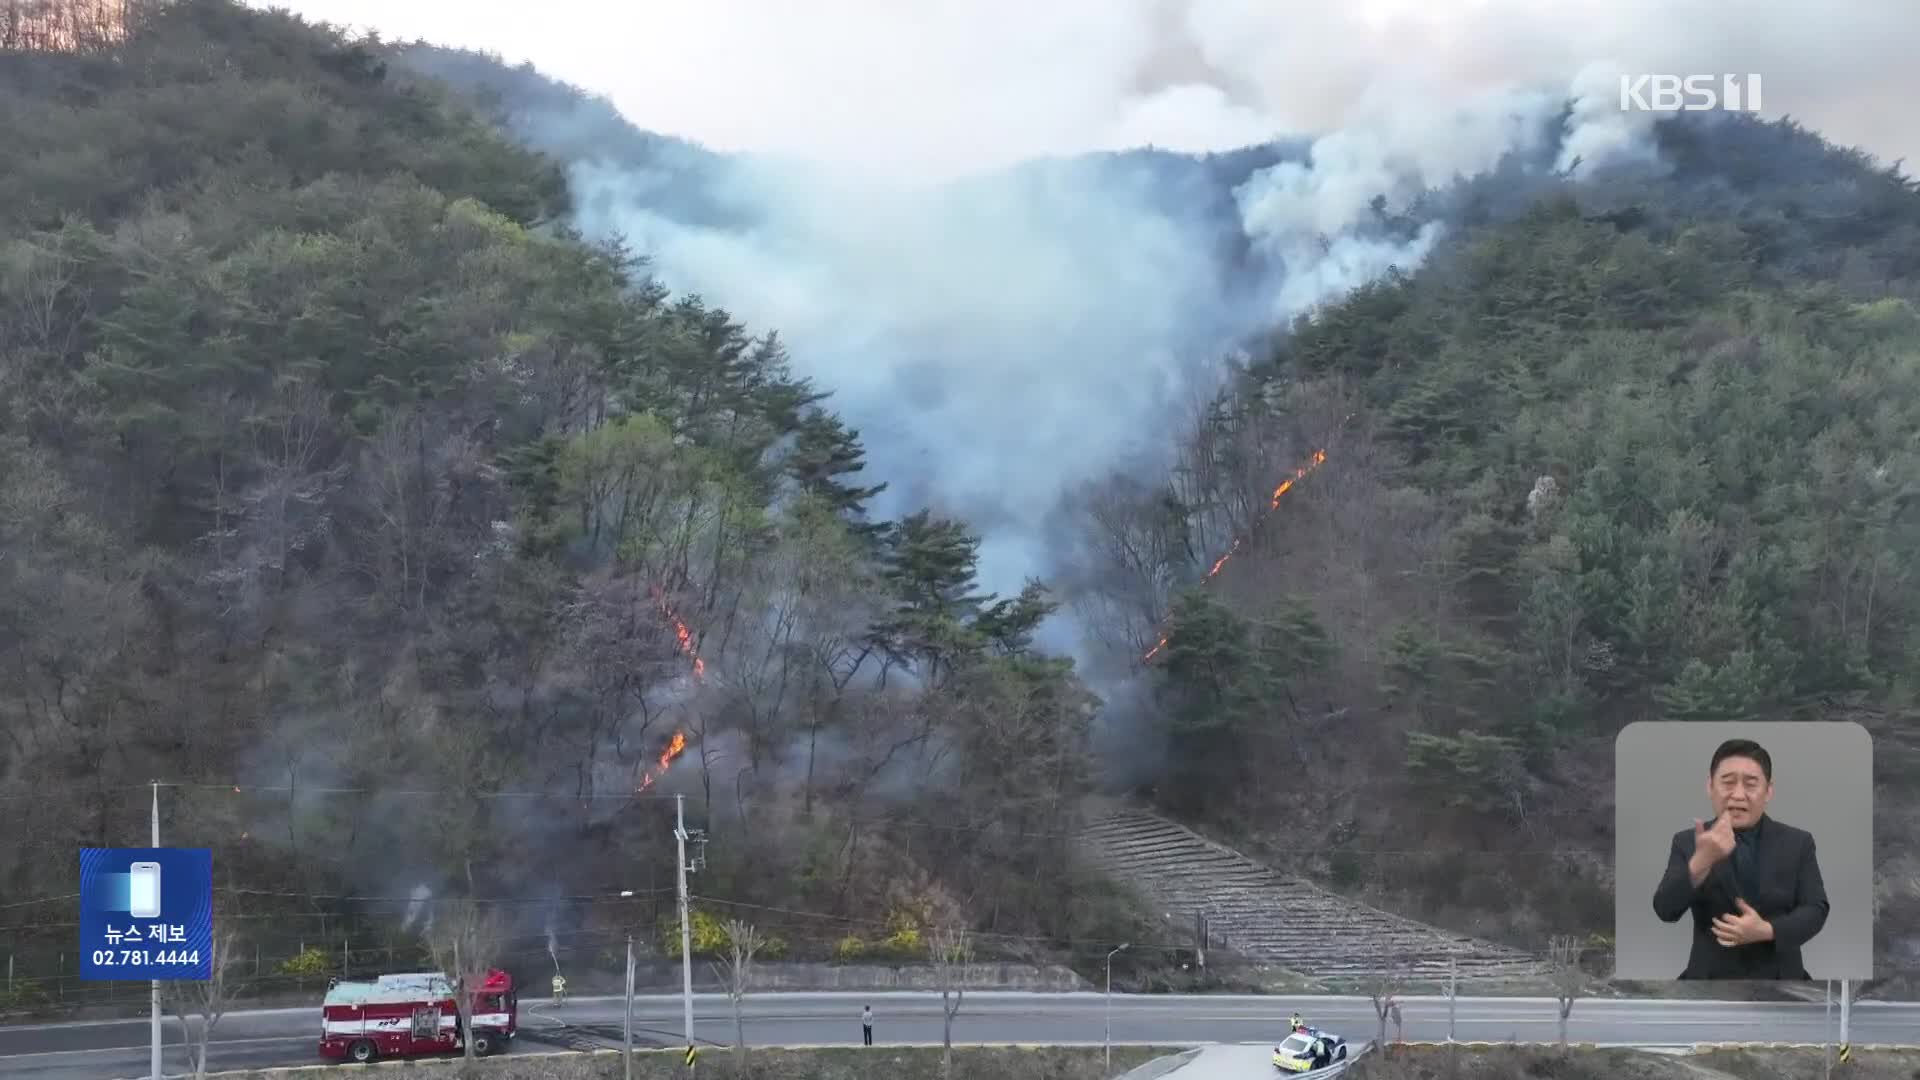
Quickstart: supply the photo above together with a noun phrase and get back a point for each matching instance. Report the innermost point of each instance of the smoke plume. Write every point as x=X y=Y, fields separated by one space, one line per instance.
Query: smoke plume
x=943 y=87
x=1002 y=339
x=1004 y=322
x=895 y=188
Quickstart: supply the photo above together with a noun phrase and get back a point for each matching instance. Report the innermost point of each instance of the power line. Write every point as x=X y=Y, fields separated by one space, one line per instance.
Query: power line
x=286 y=915
x=89 y=791
x=583 y=898
x=983 y=828
x=990 y=935
x=429 y=901
x=1070 y=834
x=888 y=822
x=841 y=921
x=39 y=900
x=632 y=796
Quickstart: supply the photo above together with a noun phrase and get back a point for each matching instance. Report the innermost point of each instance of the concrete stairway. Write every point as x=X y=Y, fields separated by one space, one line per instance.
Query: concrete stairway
x=1282 y=920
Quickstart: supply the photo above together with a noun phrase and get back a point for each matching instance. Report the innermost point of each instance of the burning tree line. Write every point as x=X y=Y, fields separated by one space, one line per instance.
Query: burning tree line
x=1317 y=459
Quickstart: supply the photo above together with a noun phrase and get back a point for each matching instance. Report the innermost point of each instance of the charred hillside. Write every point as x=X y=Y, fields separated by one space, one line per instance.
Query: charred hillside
x=404 y=537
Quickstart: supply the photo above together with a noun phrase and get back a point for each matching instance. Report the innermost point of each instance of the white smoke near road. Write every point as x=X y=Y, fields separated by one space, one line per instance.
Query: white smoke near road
x=416 y=908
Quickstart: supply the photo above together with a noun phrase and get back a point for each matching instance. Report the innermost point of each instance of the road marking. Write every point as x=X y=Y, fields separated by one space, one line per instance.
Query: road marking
x=174 y=1020
x=166 y=1046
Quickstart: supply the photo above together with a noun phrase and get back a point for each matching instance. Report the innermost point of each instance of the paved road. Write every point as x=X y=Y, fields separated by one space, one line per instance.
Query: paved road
x=113 y=1049
x=1228 y=1062
x=1248 y=1061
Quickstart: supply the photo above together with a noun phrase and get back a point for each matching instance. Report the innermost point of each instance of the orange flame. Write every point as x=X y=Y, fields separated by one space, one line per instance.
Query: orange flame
x=675 y=747
x=682 y=635
x=1319 y=457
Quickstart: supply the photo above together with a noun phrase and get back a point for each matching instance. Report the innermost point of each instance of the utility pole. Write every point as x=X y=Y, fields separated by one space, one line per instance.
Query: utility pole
x=1109 y=1035
x=1453 y=990
x=1846 y=1011
x=1826 y=1031
x=155 y=1062
x=629 y=1040
x=686 y=917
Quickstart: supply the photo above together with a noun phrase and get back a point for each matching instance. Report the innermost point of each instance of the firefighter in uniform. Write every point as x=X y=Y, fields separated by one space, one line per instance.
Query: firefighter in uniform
x=559 y=988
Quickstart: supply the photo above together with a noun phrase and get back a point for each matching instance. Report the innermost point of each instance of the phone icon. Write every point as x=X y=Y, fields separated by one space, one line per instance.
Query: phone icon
x=143 y=891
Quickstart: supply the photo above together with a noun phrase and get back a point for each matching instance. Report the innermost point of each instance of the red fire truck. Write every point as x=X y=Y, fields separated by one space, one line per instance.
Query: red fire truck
x=413 y=1014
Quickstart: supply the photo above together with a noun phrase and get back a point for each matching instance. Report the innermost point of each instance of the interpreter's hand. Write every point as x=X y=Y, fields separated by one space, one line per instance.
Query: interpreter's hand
x=1713 y=843
x=1744 y=927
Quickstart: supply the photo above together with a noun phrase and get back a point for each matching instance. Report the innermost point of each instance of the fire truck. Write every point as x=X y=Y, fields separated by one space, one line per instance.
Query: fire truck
x=413 y=1014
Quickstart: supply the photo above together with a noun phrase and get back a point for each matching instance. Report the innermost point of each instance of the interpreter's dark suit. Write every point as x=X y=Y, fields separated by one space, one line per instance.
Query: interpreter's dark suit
x=1785 y=888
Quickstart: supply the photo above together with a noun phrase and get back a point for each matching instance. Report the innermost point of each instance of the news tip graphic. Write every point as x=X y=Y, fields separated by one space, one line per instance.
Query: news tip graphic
x=146 y=913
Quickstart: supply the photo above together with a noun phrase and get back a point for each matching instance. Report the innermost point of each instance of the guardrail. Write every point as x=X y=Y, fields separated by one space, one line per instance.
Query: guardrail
x=1336 y=1070
x=333 y=1069
x=1692 y=1047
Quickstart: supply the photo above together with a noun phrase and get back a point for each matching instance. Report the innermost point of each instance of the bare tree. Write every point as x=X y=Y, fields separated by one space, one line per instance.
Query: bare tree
x=1386 y=978
x=735 y=969
x=1568 y=980
x=951 y=950
x=207 y=1000
x=464 y=940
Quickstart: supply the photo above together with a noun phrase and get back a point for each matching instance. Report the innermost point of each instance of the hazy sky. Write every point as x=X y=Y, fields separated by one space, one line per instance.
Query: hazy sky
x=1002 y=346
x=939 y=86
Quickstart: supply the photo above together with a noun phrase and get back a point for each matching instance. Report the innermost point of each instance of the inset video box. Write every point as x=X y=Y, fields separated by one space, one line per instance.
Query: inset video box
x=1743 y=851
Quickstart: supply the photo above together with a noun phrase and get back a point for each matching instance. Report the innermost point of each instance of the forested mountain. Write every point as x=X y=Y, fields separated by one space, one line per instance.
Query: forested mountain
x=342 y=489
x=351 y=493
x=1644 y=452
x=1634 y=443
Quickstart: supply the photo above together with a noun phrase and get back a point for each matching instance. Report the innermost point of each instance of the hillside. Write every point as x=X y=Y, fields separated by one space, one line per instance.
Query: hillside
x=1632 y=455
x=1711 y=362
x=418 y=541
x=404 y=536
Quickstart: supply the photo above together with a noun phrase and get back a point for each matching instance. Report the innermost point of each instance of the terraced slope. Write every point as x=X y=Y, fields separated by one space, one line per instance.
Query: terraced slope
x=1279 y=919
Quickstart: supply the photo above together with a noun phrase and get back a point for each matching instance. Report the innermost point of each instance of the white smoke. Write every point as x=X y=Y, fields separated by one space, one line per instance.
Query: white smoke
x=999 y=341
x=1002 y=340
x=416 y=904
x=1599 y=128
x=991 y=341
x=938 y=88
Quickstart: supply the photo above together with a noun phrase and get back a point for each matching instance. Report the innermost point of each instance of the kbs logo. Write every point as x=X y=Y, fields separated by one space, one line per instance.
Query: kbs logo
x=1689 y=93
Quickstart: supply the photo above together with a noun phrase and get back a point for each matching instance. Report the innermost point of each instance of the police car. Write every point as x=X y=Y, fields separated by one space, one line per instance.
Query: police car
x=1295 y=1053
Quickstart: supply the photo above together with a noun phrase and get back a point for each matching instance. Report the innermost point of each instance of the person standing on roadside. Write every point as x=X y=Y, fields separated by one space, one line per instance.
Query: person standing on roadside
x=866 y=1025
